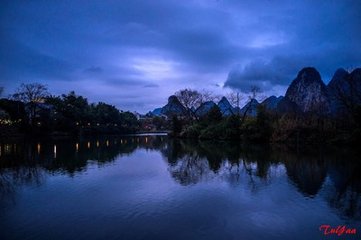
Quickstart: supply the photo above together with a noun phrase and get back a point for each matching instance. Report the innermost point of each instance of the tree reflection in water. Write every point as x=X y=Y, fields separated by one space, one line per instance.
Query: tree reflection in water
x=330 y=174
x=18 y=166
x=191 y=162
x=26 y=162
x=204 y=160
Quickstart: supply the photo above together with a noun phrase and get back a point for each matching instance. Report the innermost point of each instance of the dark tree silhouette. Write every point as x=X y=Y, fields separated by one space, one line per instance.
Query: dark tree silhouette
x=190 y=99
x=176 y=125
x=31 y=94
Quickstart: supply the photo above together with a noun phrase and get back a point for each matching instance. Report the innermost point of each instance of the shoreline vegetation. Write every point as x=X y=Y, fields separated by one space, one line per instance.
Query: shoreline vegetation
x=309 y=113
x=273 y=129
x=32 y=111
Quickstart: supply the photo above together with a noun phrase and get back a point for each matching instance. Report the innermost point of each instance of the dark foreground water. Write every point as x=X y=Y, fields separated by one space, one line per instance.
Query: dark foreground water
x=150 y=187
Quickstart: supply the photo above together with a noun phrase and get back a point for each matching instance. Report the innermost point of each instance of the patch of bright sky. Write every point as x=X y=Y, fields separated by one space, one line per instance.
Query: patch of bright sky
x=267 y=40
x=154 y=68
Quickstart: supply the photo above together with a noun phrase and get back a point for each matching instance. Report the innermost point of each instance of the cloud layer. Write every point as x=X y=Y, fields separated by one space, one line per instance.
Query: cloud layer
x=134 y=54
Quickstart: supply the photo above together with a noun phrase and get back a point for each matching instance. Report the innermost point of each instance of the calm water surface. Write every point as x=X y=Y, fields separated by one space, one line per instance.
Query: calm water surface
x=152 y=187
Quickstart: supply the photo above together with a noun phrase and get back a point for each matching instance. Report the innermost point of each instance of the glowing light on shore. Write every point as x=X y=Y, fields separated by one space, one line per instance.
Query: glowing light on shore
x=54 y=151
x=38 y=147
x=7 y=148
x=77 y=147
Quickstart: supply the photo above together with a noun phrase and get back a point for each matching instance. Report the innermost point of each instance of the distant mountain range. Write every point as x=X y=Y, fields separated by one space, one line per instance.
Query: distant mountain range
x=307 y=93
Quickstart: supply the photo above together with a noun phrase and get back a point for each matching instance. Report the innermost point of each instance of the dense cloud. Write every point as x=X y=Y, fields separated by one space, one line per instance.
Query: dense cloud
x=121 y=51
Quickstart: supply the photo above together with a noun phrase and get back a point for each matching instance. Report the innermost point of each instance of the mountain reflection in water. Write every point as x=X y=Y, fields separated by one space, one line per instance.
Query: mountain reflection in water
x=330 y=175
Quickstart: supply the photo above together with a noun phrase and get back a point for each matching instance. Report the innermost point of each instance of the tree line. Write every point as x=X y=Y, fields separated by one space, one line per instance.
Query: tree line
x=32 y=109
x=267 y=125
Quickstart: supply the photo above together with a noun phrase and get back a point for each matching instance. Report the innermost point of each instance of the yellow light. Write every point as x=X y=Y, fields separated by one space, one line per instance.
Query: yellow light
x=107 y=143
x=77 y=147
x=97 y=143
x=38 y=148
x=88 y=144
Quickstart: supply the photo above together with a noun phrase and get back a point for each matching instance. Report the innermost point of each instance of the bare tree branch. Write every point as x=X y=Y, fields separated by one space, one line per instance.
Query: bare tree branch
x=31 y=94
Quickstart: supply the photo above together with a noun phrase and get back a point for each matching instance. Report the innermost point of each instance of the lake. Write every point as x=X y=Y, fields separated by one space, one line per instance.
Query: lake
x=153 y=187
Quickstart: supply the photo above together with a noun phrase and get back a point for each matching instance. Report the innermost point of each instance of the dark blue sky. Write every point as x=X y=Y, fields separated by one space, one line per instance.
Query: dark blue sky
x=134 y=54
